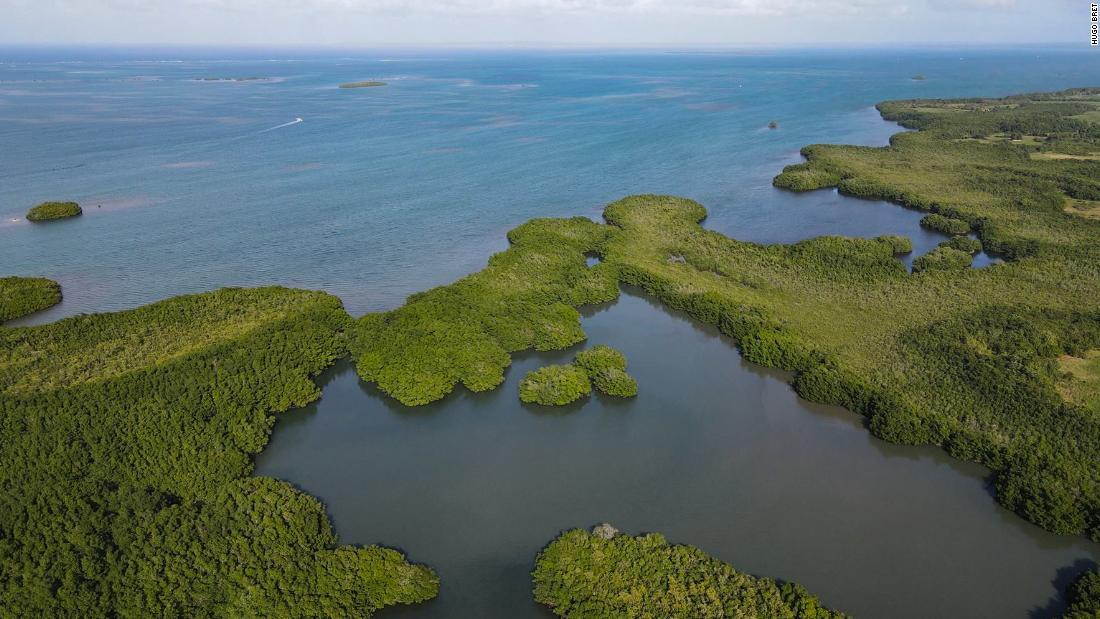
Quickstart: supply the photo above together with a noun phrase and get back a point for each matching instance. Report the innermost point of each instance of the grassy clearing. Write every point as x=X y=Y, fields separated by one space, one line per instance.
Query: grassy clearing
x=1004 y=138
x=1089 y=209
x=1092 y=115
x=20 y=296
x=125 y=452
x=1080 y=383
x=1053 y=155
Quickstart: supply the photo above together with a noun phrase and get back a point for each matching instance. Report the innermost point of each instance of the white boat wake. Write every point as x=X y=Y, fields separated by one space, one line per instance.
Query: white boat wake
x=293 y=122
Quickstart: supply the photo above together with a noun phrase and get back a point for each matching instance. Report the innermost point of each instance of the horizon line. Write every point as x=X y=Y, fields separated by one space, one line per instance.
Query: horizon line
x=547 y=46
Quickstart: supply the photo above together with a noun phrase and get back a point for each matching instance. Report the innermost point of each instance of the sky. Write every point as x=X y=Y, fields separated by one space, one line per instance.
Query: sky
x=545 y=23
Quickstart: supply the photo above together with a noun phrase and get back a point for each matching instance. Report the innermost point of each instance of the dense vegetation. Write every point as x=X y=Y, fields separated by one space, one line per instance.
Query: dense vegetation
x=900 y=245
x=1084 y=597
x=943 y=258
x=464 y=332
x=963 y=243
x=601 y=367
x=969 y=359
x=946 y=225
x=125 y=452
x=606 y=367
x=53 y=210
x=554 y=385
x=20 y=296
x=603 y=575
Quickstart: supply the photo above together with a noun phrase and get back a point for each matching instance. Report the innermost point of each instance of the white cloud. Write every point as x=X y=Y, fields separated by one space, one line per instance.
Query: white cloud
x=540 y=22
x=724 y=7
x=972 y=4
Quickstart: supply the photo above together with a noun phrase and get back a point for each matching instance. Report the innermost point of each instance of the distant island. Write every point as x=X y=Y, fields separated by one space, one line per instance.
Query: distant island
x=918 y=77
x=54 y=210
x=362 y=84
x=233 y=79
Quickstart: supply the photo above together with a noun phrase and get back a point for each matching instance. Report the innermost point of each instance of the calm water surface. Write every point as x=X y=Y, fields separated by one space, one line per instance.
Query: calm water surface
x=189 y=185
x=713 y=452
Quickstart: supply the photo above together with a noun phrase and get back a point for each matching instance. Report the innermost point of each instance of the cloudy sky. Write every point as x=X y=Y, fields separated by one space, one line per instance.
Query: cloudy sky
x=534 y=23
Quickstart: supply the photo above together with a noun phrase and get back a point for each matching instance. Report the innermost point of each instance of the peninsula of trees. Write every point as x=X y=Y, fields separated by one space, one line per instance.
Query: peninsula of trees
x=125 y=452
x=605 y=575
x=20 y=296
x=967 y=359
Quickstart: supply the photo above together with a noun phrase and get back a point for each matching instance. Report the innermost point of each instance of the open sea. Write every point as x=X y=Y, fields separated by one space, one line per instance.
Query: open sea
x=199 y=169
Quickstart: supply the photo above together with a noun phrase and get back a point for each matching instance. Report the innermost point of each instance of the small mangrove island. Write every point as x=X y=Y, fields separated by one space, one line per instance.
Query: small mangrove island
x=54 y=210
x=20 y=296
x=368 y=84
x=604 y=574
x=601 y=367
x=554 y=385
x=606 y=368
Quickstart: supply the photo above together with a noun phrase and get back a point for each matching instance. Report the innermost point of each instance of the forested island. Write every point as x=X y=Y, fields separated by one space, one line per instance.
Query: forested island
x=554 y=385
x=126 y=438
x=604 y=574
x=20 y=296
x=601 y=367
x=54 y=210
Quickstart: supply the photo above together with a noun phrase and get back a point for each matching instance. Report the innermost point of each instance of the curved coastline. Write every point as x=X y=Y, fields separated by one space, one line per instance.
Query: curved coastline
x=22 y=296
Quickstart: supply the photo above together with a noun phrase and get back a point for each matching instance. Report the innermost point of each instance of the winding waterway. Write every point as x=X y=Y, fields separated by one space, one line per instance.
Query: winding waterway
x=713 y=452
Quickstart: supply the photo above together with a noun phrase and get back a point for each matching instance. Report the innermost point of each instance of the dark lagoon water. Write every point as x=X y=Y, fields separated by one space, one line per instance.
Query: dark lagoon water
x=713 y=452
x=190 y=185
